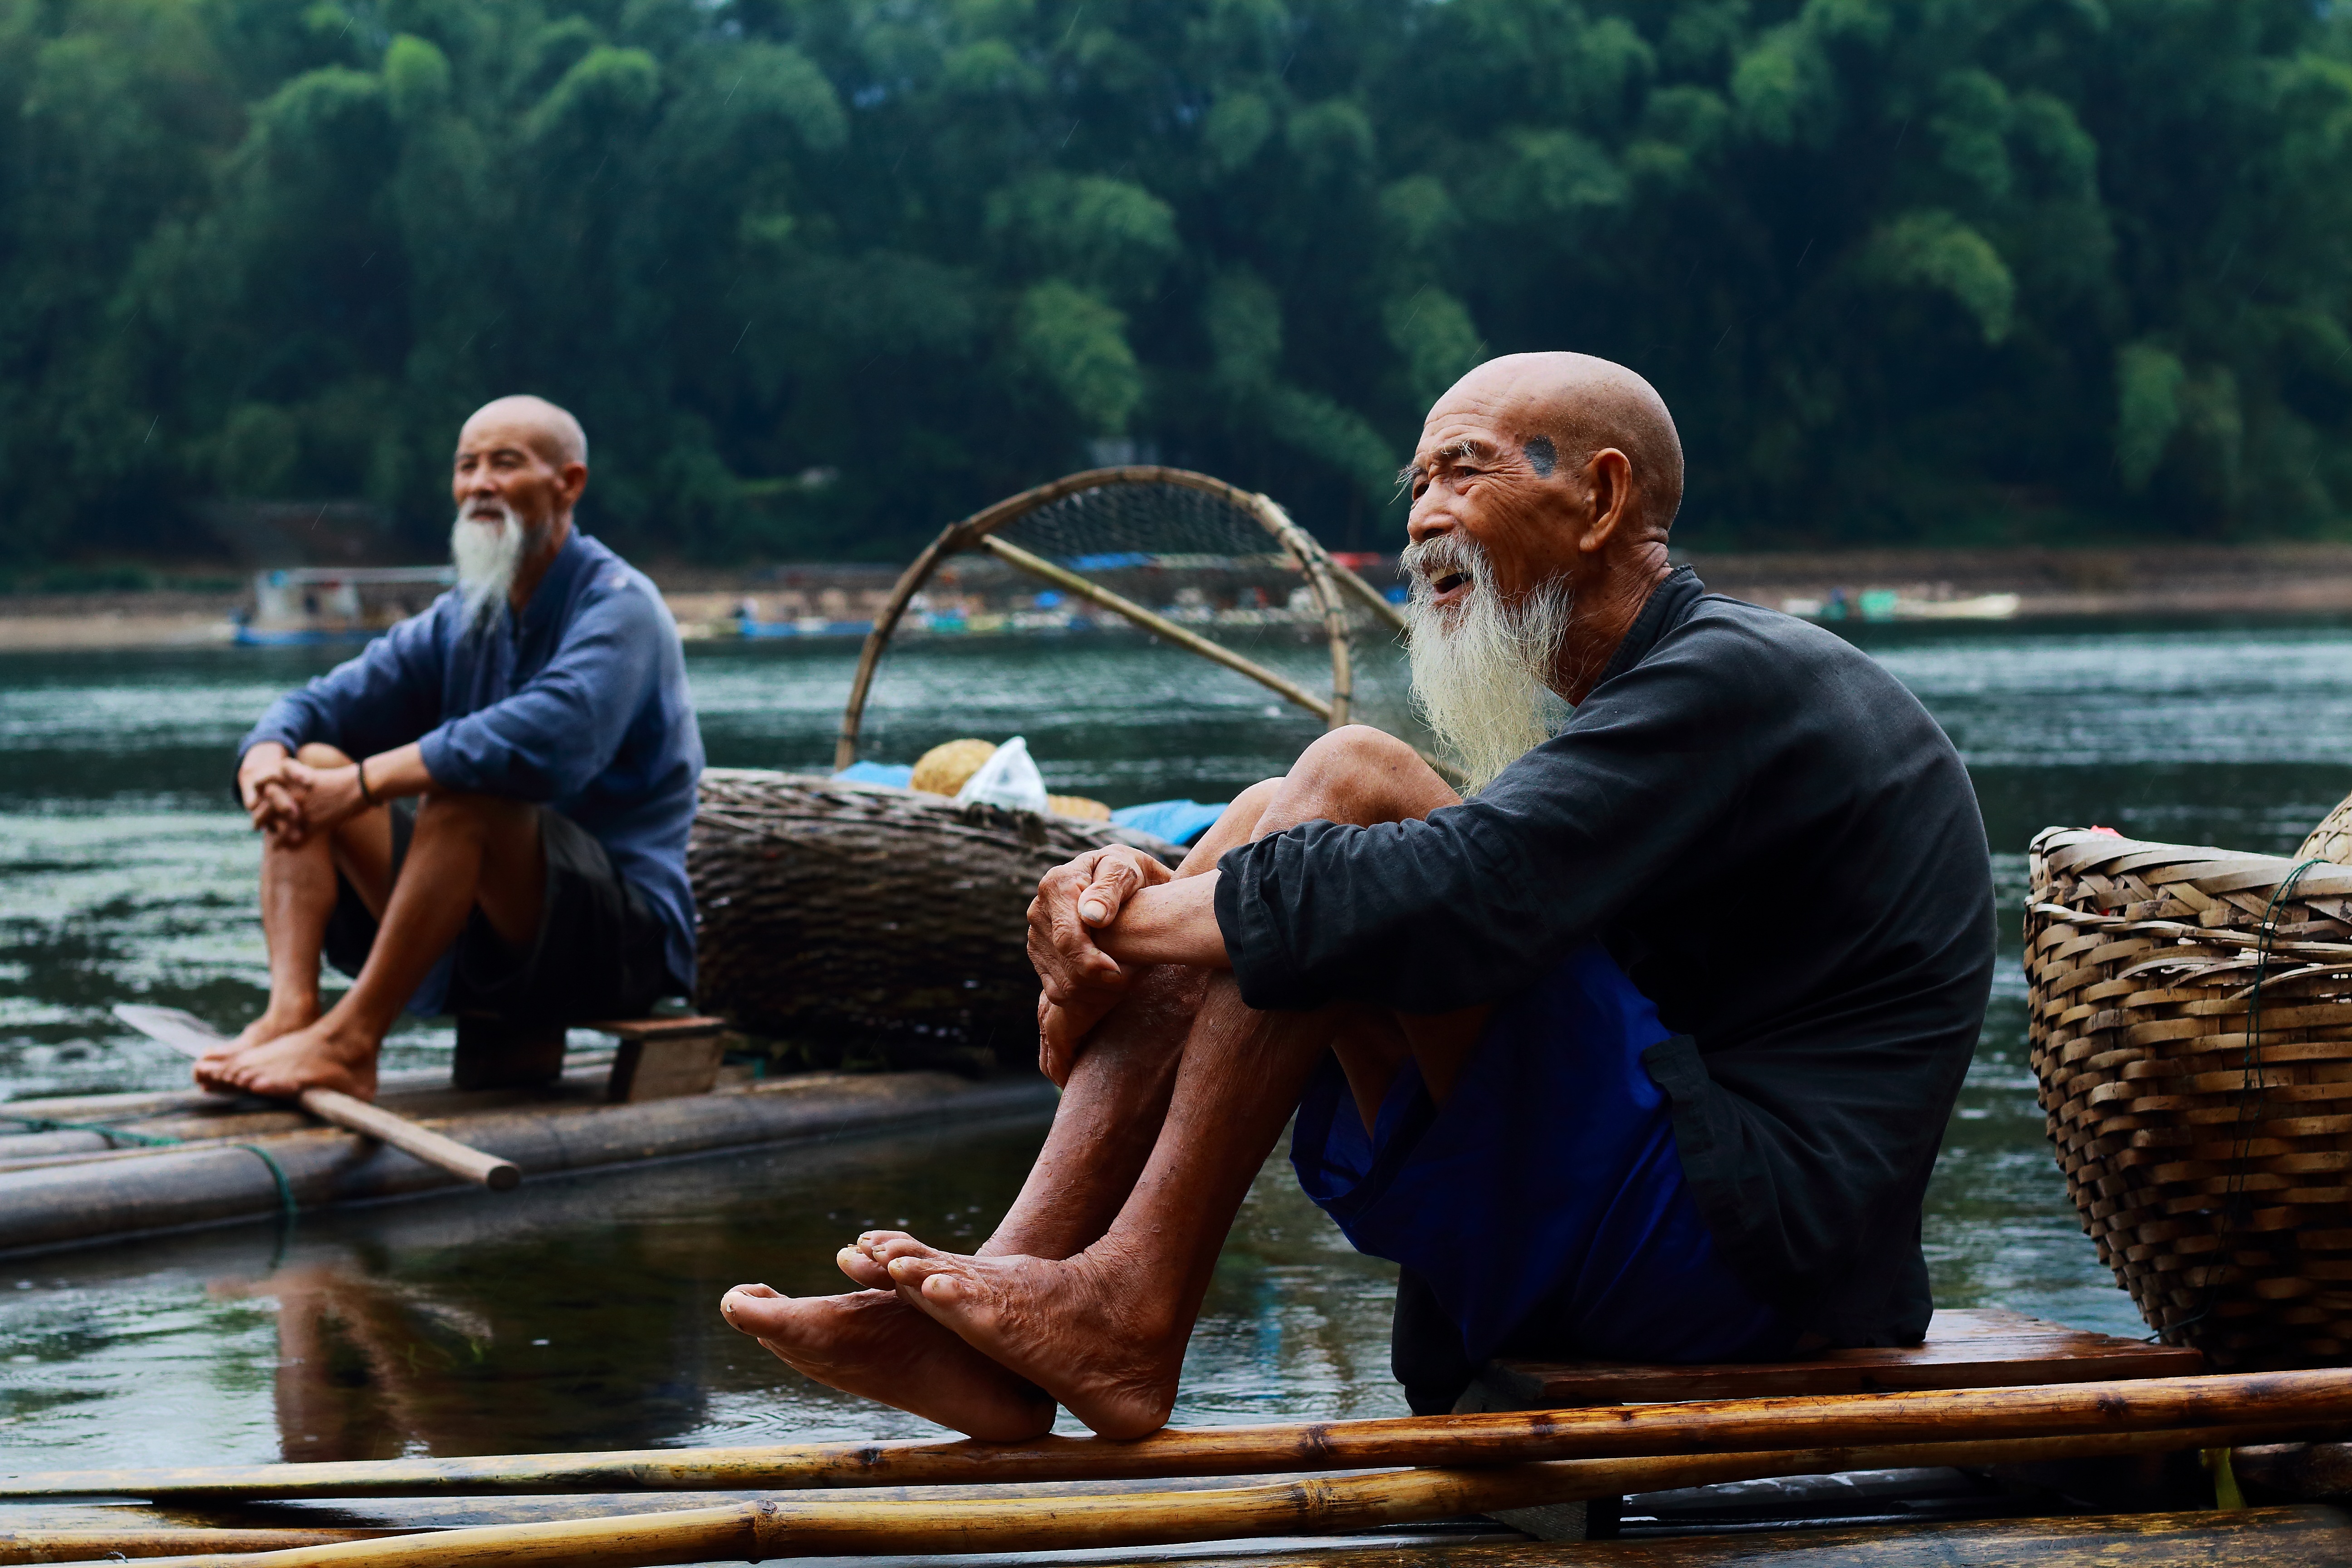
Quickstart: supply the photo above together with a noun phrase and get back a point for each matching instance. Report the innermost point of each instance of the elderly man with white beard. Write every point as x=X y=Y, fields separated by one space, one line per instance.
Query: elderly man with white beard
x=485 y=812
x=1641 y=1051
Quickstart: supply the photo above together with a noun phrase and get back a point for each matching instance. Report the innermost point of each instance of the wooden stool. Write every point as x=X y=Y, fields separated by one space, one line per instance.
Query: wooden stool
x=1980 y=1347
x=663 y=1058
x=659 y=1058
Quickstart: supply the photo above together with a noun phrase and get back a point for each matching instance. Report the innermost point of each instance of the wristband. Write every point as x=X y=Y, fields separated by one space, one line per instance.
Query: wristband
x=363 y=788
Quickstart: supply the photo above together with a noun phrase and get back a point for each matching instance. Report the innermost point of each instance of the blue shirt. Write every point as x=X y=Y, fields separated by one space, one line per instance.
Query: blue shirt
x=581 y=705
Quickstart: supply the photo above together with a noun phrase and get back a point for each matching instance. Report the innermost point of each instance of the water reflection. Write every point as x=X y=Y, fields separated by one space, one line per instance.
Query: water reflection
x=584 y=1314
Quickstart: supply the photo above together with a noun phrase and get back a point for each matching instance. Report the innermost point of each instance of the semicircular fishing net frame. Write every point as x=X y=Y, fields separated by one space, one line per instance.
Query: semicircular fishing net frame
x=1331 y=585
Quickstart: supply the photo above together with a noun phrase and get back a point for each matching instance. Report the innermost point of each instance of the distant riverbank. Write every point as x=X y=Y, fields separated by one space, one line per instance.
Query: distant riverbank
x=2025 y=585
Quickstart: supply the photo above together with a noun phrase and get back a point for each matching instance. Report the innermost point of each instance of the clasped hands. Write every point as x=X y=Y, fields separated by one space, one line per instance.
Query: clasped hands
x=1079 y=982
x=289 y=800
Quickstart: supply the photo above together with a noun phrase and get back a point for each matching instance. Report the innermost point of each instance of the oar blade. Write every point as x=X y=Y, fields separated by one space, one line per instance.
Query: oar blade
x=184 y=1032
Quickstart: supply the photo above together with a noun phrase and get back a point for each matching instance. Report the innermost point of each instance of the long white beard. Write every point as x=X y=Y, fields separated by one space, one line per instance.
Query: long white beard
x=1482 y=669
x=487 y=555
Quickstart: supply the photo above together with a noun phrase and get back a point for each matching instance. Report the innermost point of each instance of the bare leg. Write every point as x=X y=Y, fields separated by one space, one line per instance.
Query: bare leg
x=469 y=849
x=1104 y=1331
x=871 y=1343
x=297 y=895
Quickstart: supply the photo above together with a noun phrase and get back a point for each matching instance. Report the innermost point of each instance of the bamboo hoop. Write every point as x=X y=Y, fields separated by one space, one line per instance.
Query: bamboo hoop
x=820 y=1526
x=1326 y=579
x=1609 y=1432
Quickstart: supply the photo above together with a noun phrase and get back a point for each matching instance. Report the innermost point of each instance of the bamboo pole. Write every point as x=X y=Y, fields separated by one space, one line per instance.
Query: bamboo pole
x=822 y=1526
x=1717 y=1425
x=86 y=1545
x=192 y=1036
x=1158 y=625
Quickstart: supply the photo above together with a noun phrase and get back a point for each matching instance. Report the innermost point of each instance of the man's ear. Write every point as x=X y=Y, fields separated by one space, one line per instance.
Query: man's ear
x=1609 y=482
x=573 y=478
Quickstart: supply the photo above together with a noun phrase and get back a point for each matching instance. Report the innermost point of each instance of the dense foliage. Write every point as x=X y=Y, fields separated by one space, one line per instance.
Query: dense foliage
x=820 y=274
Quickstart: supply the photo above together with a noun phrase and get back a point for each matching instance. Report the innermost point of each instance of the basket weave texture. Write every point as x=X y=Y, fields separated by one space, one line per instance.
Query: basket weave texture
x=2191 y=1035
x=883 y=917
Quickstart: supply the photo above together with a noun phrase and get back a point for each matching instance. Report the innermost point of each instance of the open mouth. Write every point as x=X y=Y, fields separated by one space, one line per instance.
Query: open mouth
x=1446 y=585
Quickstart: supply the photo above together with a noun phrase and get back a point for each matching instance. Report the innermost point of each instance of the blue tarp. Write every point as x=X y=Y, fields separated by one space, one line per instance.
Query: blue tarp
x=899 y=775
x=1176 y=821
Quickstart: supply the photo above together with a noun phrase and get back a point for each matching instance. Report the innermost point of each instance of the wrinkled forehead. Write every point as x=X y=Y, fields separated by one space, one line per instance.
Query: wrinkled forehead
x=1480 y=416
x=1472 y=439
x=504 y=433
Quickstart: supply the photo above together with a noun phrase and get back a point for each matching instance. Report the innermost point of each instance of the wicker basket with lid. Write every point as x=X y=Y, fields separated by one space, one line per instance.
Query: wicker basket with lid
x=2192 y=1034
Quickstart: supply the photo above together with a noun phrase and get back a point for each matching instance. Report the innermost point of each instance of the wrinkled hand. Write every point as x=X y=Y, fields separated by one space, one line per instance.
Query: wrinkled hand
x=269 y=800
x=290 y=800
x=1078 y=982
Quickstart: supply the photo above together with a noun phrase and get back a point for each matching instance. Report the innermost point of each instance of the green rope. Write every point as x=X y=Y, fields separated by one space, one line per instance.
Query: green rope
x=288 y=1208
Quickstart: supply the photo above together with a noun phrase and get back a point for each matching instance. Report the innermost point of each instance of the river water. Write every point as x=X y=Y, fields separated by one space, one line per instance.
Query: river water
x=579 y=1313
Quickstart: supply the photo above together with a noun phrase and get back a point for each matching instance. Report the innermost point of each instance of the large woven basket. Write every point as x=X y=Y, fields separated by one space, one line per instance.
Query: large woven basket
x=2192 y=1034
x=884 y=917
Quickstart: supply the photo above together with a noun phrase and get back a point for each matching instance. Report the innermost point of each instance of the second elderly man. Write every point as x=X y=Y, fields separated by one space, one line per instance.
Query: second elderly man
x=485 y=812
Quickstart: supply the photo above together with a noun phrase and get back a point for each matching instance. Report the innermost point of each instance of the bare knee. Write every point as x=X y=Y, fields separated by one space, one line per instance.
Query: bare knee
x=1237 y=824
x=1358 y=774
x=318 y=754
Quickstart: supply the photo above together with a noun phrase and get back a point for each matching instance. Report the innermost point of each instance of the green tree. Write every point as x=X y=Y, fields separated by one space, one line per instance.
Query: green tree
x=820 y=274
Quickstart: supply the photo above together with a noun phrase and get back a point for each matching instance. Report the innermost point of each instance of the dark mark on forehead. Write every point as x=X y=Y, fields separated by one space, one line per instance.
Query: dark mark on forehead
x=1541 y=457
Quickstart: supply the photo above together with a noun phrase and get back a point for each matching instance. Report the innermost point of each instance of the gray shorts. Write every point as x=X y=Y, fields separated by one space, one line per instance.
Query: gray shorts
x=600 y=953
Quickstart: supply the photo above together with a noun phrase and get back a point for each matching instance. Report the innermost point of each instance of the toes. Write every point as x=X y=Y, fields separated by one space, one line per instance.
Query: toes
x=892 y=1245
x=948 y=1289
x=862 y=1270
x=935 y=1278
x=747 y=1310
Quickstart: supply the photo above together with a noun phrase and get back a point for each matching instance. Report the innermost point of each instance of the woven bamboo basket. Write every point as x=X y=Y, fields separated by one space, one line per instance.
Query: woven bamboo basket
x=891 y=919
x=2191 y=1035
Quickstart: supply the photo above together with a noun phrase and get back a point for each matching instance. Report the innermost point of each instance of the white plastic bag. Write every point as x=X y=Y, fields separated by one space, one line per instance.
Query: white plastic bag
x=1008 y=778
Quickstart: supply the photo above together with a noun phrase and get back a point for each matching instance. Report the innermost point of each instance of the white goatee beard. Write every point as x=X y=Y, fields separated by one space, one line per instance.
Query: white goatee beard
x=1482 y=669
x=487 y=555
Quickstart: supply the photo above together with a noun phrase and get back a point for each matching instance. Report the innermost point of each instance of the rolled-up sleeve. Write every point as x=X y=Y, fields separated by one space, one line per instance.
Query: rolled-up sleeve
x=387 y=697
x=1477 y=899
x=560 y=729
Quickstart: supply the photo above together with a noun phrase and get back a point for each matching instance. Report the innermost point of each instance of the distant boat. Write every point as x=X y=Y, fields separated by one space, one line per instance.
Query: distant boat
x=305 y=607
x=1891 y=604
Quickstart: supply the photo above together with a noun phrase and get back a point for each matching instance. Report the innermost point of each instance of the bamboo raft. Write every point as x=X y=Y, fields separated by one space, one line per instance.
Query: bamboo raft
x=79 y=1170
x=1333 y=1480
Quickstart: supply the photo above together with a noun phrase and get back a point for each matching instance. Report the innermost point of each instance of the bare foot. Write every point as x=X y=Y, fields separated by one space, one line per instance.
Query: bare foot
x=319 y=1056
x=275 y=1020
x=872 y=1344
x=1107 y=1352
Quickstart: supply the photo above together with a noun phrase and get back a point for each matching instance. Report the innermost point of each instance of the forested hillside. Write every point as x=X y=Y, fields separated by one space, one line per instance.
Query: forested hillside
x=820 y=274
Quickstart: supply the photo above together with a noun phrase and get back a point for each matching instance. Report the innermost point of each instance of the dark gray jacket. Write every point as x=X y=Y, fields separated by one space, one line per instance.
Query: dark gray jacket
x=1784 y=853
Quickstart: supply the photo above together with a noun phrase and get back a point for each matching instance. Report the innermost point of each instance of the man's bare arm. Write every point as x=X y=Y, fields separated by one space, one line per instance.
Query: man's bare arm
x=1174 y=923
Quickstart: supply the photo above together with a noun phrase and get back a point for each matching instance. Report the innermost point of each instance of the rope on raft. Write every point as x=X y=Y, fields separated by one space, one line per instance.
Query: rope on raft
x=288 y=1208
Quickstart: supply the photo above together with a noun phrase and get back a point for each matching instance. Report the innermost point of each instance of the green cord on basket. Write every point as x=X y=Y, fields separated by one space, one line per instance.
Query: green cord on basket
x=2251 y=1083
x=289 y=1209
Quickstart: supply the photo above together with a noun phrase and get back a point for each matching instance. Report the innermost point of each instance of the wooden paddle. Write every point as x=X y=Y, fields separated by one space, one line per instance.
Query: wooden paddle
x=191 y=1035
x=805 y=1526
x=2177 y=1404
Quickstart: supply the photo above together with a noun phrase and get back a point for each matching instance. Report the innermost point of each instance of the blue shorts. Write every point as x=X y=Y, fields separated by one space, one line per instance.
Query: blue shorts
x=1543 y=1204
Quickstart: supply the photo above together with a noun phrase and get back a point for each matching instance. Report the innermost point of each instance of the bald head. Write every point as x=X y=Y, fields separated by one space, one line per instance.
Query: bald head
x=547 y=429
x=1562 y=408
